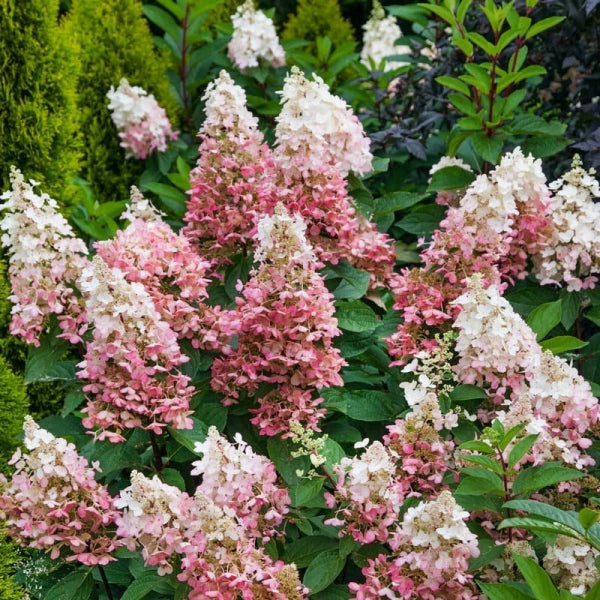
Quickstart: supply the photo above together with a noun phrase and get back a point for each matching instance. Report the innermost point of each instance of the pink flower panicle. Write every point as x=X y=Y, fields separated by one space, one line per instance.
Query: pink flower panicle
x=498 y=350
x=286 y=327
x=45 y=261
x=53 y=502
x=429 y=560
x=371 y=488
x=501 y=220
x=232 y=184
x=149 y=252
x=573 y=254
x=237 y=479
x=129 y=363
x=218 y=559
x=142 y=123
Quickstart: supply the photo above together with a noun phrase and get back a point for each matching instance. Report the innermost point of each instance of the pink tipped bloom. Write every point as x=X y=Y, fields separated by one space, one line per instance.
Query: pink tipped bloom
x=129 y=363
x=45 y=261
x=501 y=220
x=142 y=124
x=371 y=488
x=214 y=553
x=286 y=327
x=232 y=184
x=317 y=129
x=573 y=254
x=53 y=502
x=254 y=39
x=149 y=252
x=236 y=478
x=429 y=560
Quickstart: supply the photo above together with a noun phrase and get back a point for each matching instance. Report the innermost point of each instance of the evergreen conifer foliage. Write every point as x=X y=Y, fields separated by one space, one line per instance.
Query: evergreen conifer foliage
x=318 y=18
x=115 y=42
x=38 y=80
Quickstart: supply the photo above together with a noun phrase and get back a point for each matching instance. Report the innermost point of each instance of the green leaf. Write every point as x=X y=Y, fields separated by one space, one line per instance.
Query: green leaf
x=394 y=201
x=302 y=551
x=72 y=401
x=422 y=220
x=480 y=41
x=520 y=449
x=454 y=84
x=143 y=585
x=538 y=580
x=588 y=517
x=163 y=19
x=188 y=437
x=532 y=124
x=541 y=476
x=594 y=593
x=562 y=343
x=488 y=148
x=466 y=392
x=354 y=315
x=362 y=405
x=75 y=586
x=484 y=461
x=43 y=363
x=502 y=591
x=542 y=146
x=305 y=490
x=323 y=570
x=542 y=25
x=173 y=477
x=544 y=318
x=450 y=178
x=548 y=512
x=514 y=101
x=593 y=315
x=476 y=486
x=463 y=104
x=477 y=446
x=354 y=282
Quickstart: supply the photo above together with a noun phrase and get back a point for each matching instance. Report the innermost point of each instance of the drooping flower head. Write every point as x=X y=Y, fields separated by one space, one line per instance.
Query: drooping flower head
x=130 y=362
x=381 y=33
x=142 y=123
x=317 y=130
x=254 y=39
x=233 y=182
x=53 y=502
x=572 y=255
x=45 y=260
x=237 y=479
x=286 y=327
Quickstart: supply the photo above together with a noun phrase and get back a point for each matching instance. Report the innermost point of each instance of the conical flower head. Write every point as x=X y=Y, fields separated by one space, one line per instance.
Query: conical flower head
x=254 y=39
x=226 y=110
x=317 y=130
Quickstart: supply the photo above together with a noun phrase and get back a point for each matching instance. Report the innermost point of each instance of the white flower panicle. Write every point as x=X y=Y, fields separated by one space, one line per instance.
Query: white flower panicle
x=317 y=130
x=572 y=255
x=282 y=239
x=254 y=38
x=142 y=124
x=225 y=109
x=495 y=345
x=381 y=33
x=439 y=524
x=45 y=259
x=149 y=497
x=571 y=564
x=141 y=208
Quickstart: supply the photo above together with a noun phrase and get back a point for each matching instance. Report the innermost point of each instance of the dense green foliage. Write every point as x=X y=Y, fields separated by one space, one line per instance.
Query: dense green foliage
x=38 y=116
x=318 y=18
x=115 y=42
